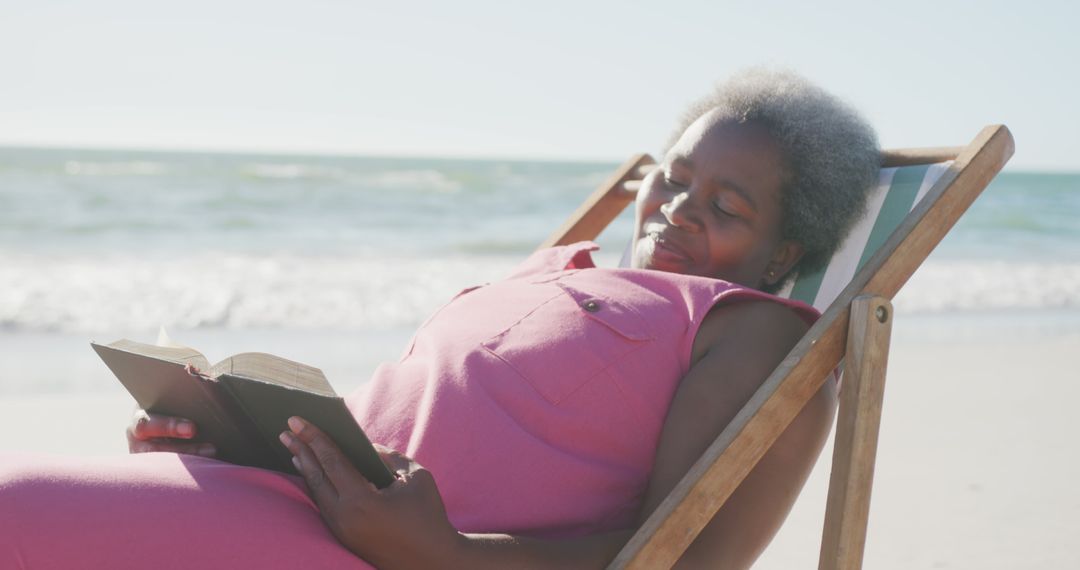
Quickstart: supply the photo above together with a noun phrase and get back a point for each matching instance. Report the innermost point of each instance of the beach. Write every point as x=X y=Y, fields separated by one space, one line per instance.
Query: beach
x=976 y=457
x=334 y=261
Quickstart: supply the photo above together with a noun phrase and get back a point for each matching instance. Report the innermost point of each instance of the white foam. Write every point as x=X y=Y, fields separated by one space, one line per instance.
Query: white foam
x=292 y=171
x=412 y=180
x=114 y=168
x=361 y=292
x=415 y=179
x=942 y=286
x=79 y=294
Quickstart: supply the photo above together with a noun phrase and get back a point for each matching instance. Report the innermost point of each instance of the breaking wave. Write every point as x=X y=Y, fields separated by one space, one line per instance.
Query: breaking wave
x=231 y=290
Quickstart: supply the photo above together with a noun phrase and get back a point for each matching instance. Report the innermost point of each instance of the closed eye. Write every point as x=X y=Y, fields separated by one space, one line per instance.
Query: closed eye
x=673 y=182
x=719 y=207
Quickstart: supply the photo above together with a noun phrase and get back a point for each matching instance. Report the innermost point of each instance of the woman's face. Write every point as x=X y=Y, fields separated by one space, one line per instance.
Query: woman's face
x=713 y=209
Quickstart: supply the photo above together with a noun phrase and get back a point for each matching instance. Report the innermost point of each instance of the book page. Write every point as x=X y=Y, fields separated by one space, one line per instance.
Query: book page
x=163 y=339
x=182 y=355
x=270 y=368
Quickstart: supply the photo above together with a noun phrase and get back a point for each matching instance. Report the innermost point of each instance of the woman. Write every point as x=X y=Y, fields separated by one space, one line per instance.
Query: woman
x=553 y=410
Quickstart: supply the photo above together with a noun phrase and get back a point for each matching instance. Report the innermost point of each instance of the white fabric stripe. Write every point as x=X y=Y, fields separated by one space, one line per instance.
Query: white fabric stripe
x=932 y=174
x=846 y=259
x=788 y=287
x=624 y=261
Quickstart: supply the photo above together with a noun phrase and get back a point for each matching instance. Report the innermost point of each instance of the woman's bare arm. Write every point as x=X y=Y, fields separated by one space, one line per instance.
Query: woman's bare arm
x=737 y=347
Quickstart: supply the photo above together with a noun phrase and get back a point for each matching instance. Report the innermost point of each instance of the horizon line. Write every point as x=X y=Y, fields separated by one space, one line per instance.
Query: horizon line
x=420 y=155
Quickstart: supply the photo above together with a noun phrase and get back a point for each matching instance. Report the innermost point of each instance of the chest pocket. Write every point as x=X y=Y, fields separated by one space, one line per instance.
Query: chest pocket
x=567 y=340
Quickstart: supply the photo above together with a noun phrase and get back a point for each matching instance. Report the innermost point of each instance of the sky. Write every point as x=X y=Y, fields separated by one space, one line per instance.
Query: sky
x=507 y=79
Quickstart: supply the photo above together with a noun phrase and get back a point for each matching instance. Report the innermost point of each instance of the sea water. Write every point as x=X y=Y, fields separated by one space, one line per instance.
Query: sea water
x=102 y=244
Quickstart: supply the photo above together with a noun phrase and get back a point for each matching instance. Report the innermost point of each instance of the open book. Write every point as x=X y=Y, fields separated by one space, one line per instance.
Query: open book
x=242 y=403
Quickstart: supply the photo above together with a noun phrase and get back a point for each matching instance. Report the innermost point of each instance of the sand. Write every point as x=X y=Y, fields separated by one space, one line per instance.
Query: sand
x=977 y=463
x=977 y=457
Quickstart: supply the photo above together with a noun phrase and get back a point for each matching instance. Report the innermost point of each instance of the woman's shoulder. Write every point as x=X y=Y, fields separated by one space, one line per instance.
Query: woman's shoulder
x=759 y=328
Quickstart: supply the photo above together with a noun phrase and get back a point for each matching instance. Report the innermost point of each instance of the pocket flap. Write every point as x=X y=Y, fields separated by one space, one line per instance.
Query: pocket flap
x=616 y=316
x=565 y=341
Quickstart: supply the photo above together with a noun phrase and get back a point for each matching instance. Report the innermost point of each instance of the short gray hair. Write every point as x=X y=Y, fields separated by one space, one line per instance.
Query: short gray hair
x=831 y=153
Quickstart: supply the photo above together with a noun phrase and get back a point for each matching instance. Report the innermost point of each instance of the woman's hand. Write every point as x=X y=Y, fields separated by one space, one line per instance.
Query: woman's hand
x=401 y=526
x=155 y=432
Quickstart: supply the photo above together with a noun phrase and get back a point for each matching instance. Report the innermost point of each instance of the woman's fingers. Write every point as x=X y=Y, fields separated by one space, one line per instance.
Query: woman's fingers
x=327 y=471
x=388 y=527
x=155 y=432
x=394 y=460
x=322 y=490
x=188 y=448
x=330 y=459
x=150 y=426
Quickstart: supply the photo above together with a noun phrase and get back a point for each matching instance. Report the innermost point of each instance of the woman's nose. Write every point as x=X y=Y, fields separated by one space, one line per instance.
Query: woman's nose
x=679 y=212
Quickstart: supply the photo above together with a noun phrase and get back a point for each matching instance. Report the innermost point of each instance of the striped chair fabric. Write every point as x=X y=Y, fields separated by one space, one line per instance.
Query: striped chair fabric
x=898 y=190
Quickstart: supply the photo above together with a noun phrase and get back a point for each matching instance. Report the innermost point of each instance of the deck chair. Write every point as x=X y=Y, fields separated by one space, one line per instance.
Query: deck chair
x=920 y=195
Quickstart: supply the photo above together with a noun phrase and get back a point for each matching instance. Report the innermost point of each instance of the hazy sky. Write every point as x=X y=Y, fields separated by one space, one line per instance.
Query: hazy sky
x=576 y=80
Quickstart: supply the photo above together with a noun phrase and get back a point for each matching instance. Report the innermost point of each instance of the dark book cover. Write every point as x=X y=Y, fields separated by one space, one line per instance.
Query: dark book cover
x=240 y=414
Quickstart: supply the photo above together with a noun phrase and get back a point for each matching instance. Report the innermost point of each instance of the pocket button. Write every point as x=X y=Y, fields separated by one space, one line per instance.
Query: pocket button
x=590 y=305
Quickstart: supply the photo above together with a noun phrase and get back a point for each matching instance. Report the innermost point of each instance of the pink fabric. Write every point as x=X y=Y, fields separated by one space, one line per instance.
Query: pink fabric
x=553 y=410
x=536 y=402
x=158 y=511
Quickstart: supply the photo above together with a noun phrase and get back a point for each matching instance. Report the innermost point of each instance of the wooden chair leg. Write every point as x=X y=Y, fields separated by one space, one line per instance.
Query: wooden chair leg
x=857 y=426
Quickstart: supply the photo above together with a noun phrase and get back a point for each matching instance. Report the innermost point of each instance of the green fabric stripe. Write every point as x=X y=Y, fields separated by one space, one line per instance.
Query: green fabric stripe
x=898 y=202
x=806 y=287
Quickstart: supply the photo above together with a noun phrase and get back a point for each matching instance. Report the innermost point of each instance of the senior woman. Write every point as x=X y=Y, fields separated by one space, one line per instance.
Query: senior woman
x=553 y=410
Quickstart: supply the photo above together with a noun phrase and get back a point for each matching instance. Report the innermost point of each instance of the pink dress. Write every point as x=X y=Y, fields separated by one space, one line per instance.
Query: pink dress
x=536 y=402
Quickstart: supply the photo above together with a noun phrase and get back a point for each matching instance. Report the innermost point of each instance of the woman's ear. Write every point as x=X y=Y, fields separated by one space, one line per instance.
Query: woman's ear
x=785 y=256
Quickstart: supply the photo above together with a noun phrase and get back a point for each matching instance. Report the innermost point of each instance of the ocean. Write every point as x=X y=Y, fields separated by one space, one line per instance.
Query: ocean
x=103 y=244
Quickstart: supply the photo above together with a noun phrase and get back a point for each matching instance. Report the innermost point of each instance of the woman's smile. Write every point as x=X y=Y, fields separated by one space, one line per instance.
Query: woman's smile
x=666 y=248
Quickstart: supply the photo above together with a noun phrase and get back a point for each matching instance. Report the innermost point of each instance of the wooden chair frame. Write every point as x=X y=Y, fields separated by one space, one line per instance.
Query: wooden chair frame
x=855 y=328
